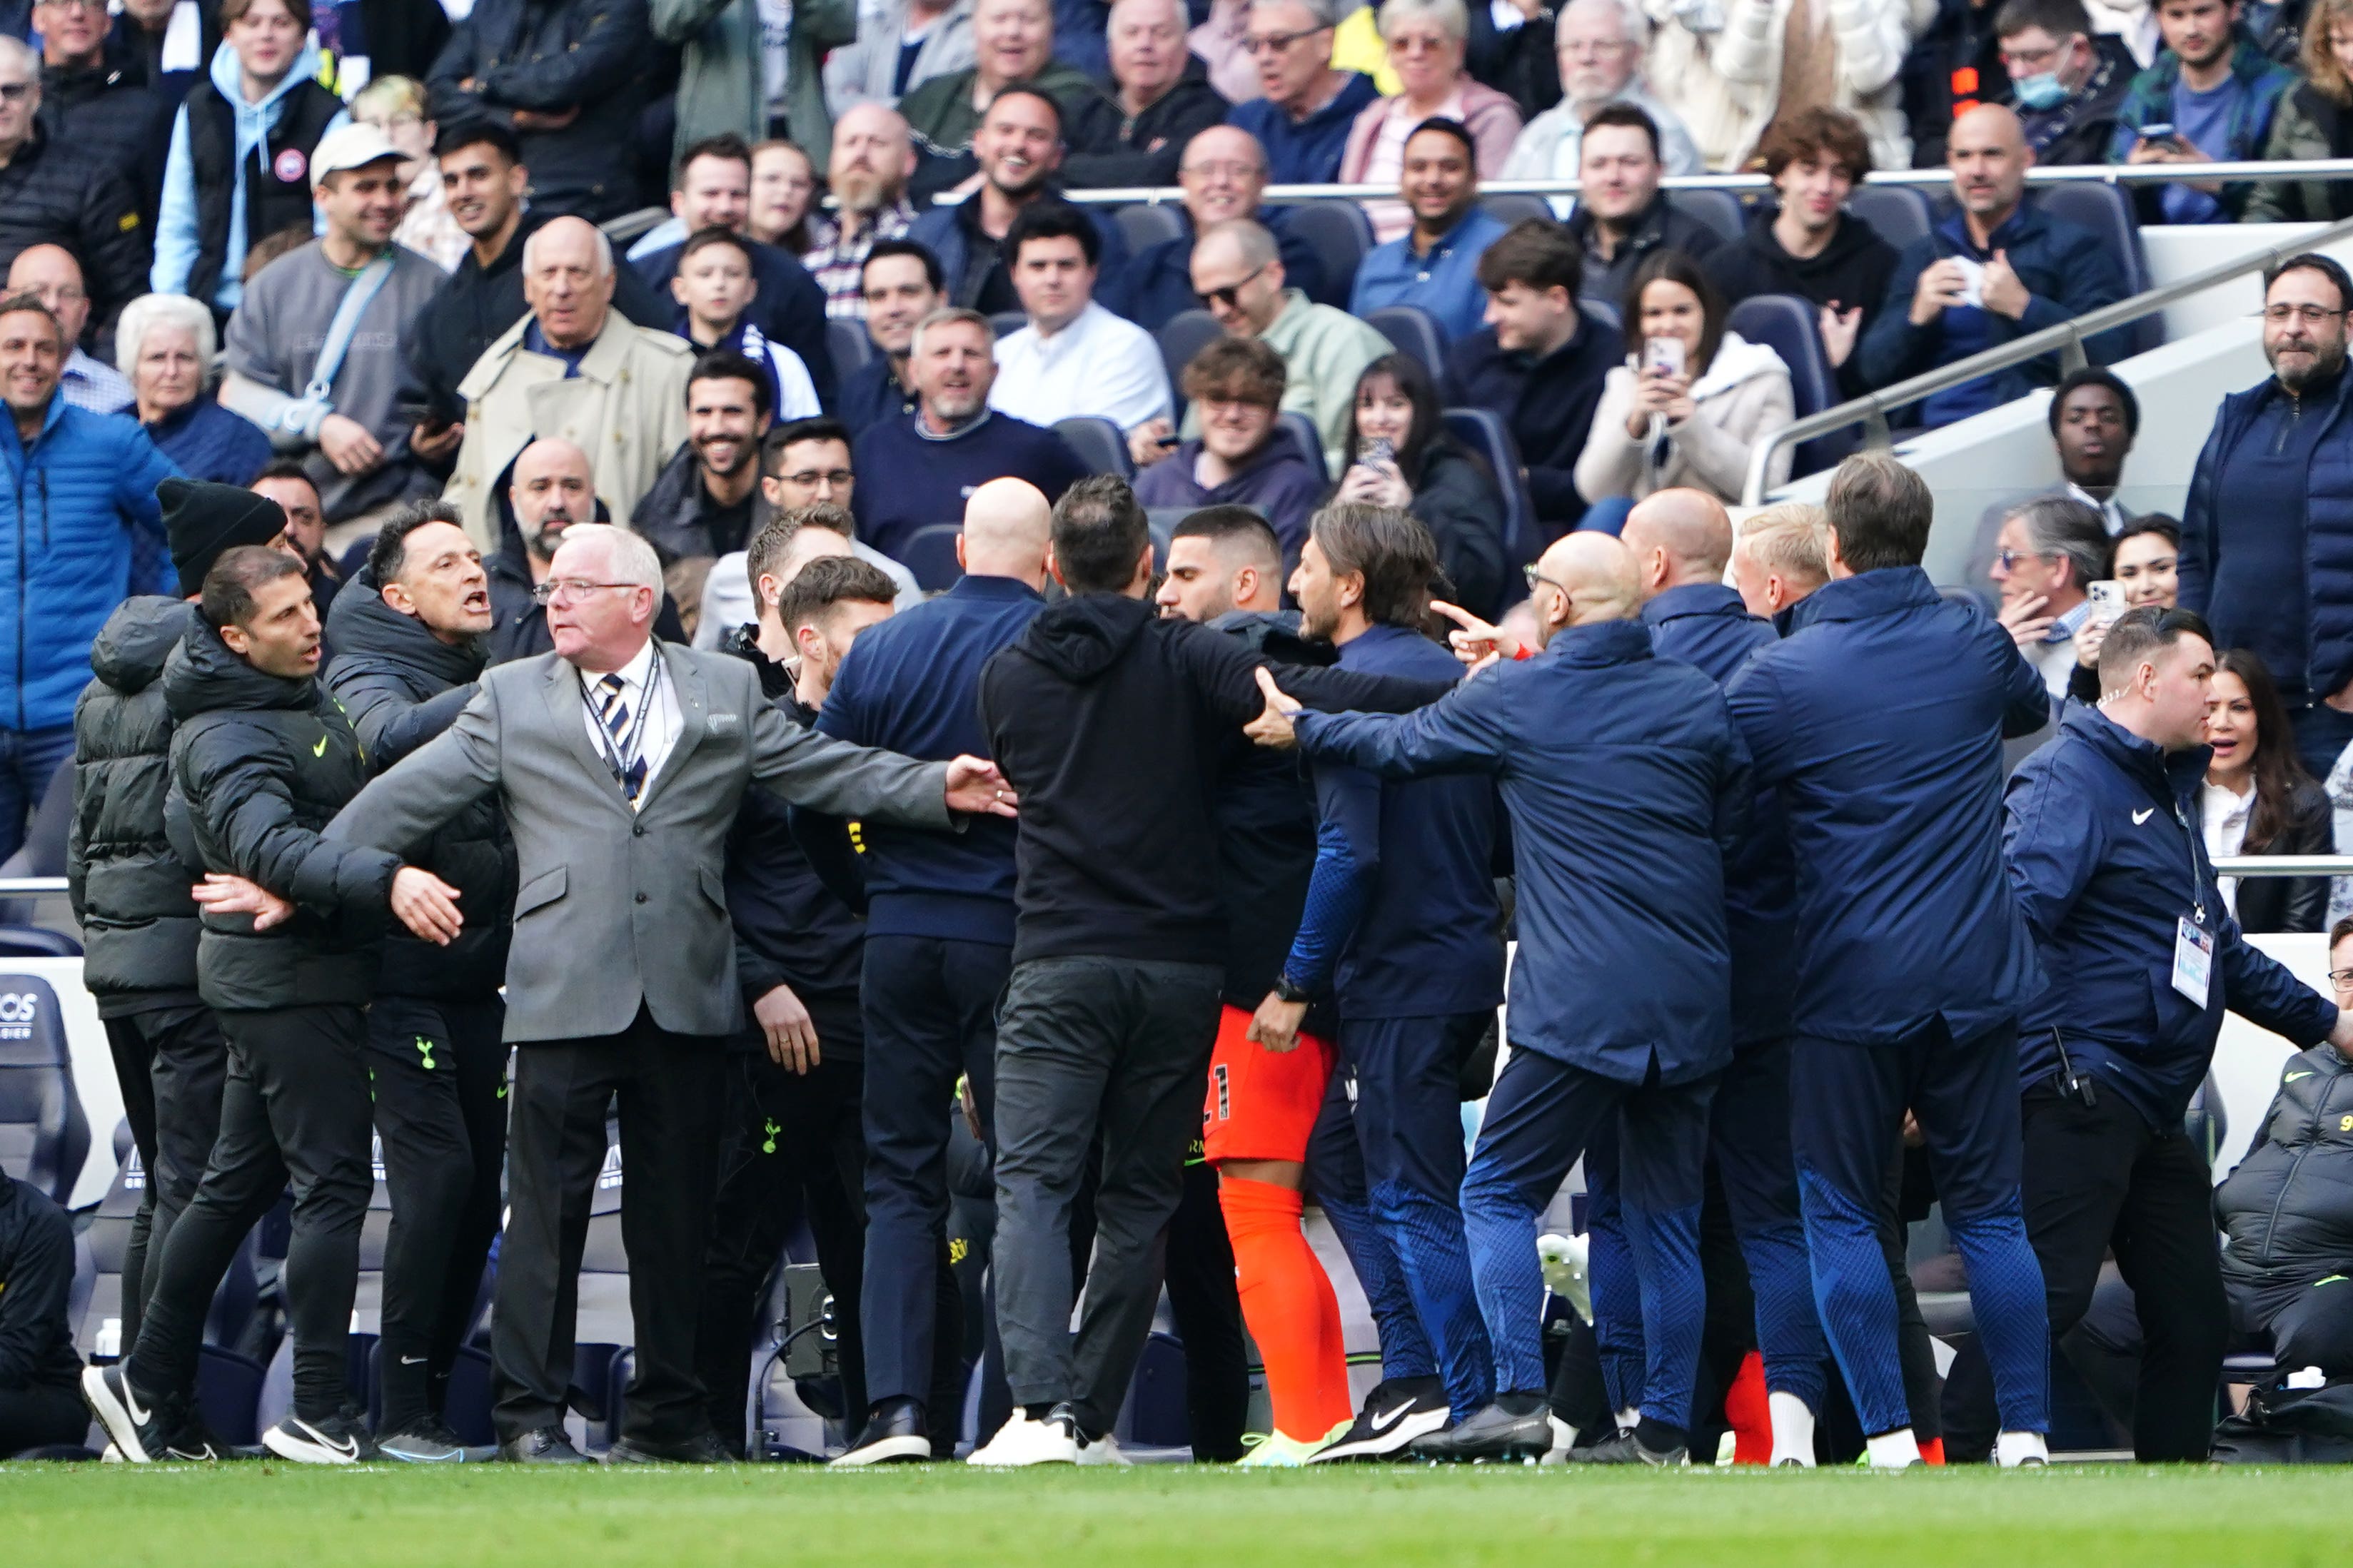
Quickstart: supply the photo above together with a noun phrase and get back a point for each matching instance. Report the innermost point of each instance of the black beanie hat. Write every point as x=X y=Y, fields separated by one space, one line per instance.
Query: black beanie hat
x=204 y=520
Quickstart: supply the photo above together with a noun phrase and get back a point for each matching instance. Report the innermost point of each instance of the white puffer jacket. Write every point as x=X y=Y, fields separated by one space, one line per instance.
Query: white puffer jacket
x=1717 y=63
x=1743 y=394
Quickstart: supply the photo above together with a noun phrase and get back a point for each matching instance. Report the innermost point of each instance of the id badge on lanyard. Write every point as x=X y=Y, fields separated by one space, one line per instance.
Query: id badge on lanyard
x=2194 y=944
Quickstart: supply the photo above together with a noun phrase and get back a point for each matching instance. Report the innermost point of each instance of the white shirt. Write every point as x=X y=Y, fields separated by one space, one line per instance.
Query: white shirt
x=2112 y=517
x=662 y=720
x=2222 y=817
x=1100 y=364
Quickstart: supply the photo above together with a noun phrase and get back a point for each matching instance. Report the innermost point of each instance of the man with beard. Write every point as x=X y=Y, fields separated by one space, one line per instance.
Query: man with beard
x=1434 y=268
x=872 y=161
x=286 y=481
x=1019 y=148
x=2272 y=454
x=409 y=640
x=549 y=487
x=705 y=504
x=921 y=470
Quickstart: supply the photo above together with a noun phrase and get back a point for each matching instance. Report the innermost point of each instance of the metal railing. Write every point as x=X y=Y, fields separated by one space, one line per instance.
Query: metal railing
x=1919 y=179
x=2285 y=866
x=2065 y=340
x=29 y=886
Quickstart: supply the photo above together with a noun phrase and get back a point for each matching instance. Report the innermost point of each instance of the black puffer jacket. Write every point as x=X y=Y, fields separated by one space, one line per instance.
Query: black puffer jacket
x=54 y=193
x=2287 y=1210
x=259 y=765
x=130 y=891
x=401 y=686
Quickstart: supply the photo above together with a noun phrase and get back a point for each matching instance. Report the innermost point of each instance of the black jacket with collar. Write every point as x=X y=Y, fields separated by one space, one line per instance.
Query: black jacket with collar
x=1663 y=227
x=1548 y=404
x=260 y=765
x=401 y=686
x=2287 y=1210
x=109 y=111
x=54 y=192
x=2293 y=903
x=1109 y=148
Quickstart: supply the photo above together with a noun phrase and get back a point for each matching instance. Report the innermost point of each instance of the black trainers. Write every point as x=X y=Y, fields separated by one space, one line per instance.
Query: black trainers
x=338 y=1439
x=1628 y=1448
x=142 y=1435
x=543 y=1446
x=896 y=1433
x=428 y=1441
x=1395 y=1414
x=703 y=1448
x=1517 y=1428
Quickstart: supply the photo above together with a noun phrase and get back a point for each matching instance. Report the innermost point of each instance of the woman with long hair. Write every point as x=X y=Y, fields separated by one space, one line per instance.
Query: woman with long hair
x=2258 y=799
x=2315 y=120
x=1398 y=455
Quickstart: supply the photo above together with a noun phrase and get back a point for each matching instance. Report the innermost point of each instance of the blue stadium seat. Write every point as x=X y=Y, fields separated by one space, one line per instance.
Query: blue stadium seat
x=930 y=554
x=1720 y=210
x=1484 y=432
x=848 y=344
x=2107 y=212
x=229 y=1393
x=1309 y=439
x=43 y=1135
x=1602 y=310
x=1786 y=324
x=1145 y=224
x=1182 y=336
x=1099 y=443
x=1415 y=332
x=1005 y=323
x=1897 y=213
x=1514 y=209
x=1338 y=233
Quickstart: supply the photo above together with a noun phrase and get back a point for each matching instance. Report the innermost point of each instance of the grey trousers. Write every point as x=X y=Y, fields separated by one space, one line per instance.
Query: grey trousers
x=1088 y=1047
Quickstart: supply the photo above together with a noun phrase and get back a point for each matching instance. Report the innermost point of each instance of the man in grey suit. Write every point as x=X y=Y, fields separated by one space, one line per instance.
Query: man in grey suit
x=619 y=761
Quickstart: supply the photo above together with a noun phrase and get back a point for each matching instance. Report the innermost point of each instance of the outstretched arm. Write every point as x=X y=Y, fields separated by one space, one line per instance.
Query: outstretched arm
x=403 y=805
x=1462 y=733
x=824 y=774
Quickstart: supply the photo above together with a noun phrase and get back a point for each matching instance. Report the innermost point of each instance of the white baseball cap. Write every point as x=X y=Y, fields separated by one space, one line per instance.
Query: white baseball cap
x=349 y=146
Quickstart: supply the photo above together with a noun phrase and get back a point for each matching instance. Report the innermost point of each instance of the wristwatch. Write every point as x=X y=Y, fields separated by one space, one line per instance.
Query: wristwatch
x=1285 y=991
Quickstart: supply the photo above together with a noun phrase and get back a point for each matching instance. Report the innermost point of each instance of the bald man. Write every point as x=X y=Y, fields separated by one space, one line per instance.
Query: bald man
x=1223 y=175
x=873 y=158
x=1627 y=789
x=1680 y=540
x=939 y=946
x=551 y=486
x=1998 y=267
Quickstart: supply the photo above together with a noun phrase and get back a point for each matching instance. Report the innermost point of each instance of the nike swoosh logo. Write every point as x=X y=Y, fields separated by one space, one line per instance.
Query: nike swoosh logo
x=412 y=1361
x=349 y=1448
x=131 y=1403
x=1384 y=1422
x=2138 y=816
x=320 y=749
x=2293 y=1076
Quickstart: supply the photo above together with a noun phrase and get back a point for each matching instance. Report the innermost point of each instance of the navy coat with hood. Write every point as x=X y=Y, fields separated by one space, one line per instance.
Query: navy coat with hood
x=1880 y=719
x=1627 y=787
x=260 y=764
x=2102 y=840
x=401 y=686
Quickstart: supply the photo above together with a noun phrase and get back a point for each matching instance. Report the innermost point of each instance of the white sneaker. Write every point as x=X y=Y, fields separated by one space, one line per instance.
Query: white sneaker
x=1102 y=1450
x=1024 y=1440
x=2015 y=1450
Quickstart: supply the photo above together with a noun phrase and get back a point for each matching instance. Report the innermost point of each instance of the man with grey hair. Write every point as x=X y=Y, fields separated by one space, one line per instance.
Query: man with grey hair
x=916 y=471
x=1159 y=99
x=1599 y=44
x=1308 y=108
x=572 y=367
x=2047 y=552
x=54 y=191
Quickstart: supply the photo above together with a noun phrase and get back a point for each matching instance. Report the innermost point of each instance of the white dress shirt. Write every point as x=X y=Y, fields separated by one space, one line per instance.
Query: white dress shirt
x=1100 y=364
x=2223 y=815
x=661 y=722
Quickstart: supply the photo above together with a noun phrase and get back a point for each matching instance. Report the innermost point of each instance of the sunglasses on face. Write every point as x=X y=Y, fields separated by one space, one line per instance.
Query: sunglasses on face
x=1231 y=294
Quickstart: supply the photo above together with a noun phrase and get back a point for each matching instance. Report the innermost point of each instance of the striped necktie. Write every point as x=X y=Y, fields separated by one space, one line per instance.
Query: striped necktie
x=613 y=710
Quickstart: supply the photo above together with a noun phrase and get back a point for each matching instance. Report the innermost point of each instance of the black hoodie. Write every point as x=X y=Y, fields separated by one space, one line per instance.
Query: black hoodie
x=1852 y=269
x=260 y=764
x=1111 y=723
x=129 y=890
x=400 y=686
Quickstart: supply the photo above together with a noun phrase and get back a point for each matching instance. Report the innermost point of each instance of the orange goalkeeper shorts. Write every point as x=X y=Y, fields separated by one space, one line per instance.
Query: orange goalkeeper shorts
x=1262 y=1104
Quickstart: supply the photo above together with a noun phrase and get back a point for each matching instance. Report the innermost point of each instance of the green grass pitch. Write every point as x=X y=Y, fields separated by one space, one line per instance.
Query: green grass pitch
x=792 y=1517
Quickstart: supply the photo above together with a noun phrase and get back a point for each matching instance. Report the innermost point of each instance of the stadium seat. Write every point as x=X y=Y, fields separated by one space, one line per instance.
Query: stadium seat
x=229 y=1393
x=1338 y=233
x=1005 y=323
x=1415 y=332
x=930 y=554
x=1785 y=323
x=2108 y=213
x=1182 y=336
x=1163 y=521
x=1145 y=224
x=1897 y=213
x=1310 y=439
x=1602 y=310
x=1099 y=443
x=1720 y=210
x=37 y=941
x=43 y=1135
x=108 y=1238
x=1484 y=432
x=848 y=344
x=1515 y=209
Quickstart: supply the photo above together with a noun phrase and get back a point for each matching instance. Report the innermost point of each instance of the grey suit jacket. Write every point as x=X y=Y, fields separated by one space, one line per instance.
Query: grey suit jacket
x=615 y=907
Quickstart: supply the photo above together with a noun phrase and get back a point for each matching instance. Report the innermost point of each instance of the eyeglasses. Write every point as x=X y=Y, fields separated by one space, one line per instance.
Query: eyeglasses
x=1231 y=168
x=71 y=6
x=1230 y=295
x=570 y=589
x=810 y=479
x=2340 y=978
x=1276 y=43
x=1534 y=577
x=2310 y=315
x=2008 y=559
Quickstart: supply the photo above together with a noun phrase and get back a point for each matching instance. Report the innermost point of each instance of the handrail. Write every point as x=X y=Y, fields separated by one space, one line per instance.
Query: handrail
x=1924 y=179
x=2284 y=866
x=2066 y=340
x=26 y=887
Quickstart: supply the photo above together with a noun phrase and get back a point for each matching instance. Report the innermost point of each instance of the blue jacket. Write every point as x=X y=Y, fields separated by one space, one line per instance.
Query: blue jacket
x=2325 y=594
x=205 y=441
x=1881 y=717
x=67 y=509
x=912 y=684
x=2103 y=842
x=1445 y=281
x=938 y=232
x=2067 y=269
x=1706 y=625
x=1626 y=785
x=1305 y=152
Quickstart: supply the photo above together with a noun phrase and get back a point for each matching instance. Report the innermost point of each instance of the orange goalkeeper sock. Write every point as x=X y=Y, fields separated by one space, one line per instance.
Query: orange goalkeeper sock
x=1288 y=1301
